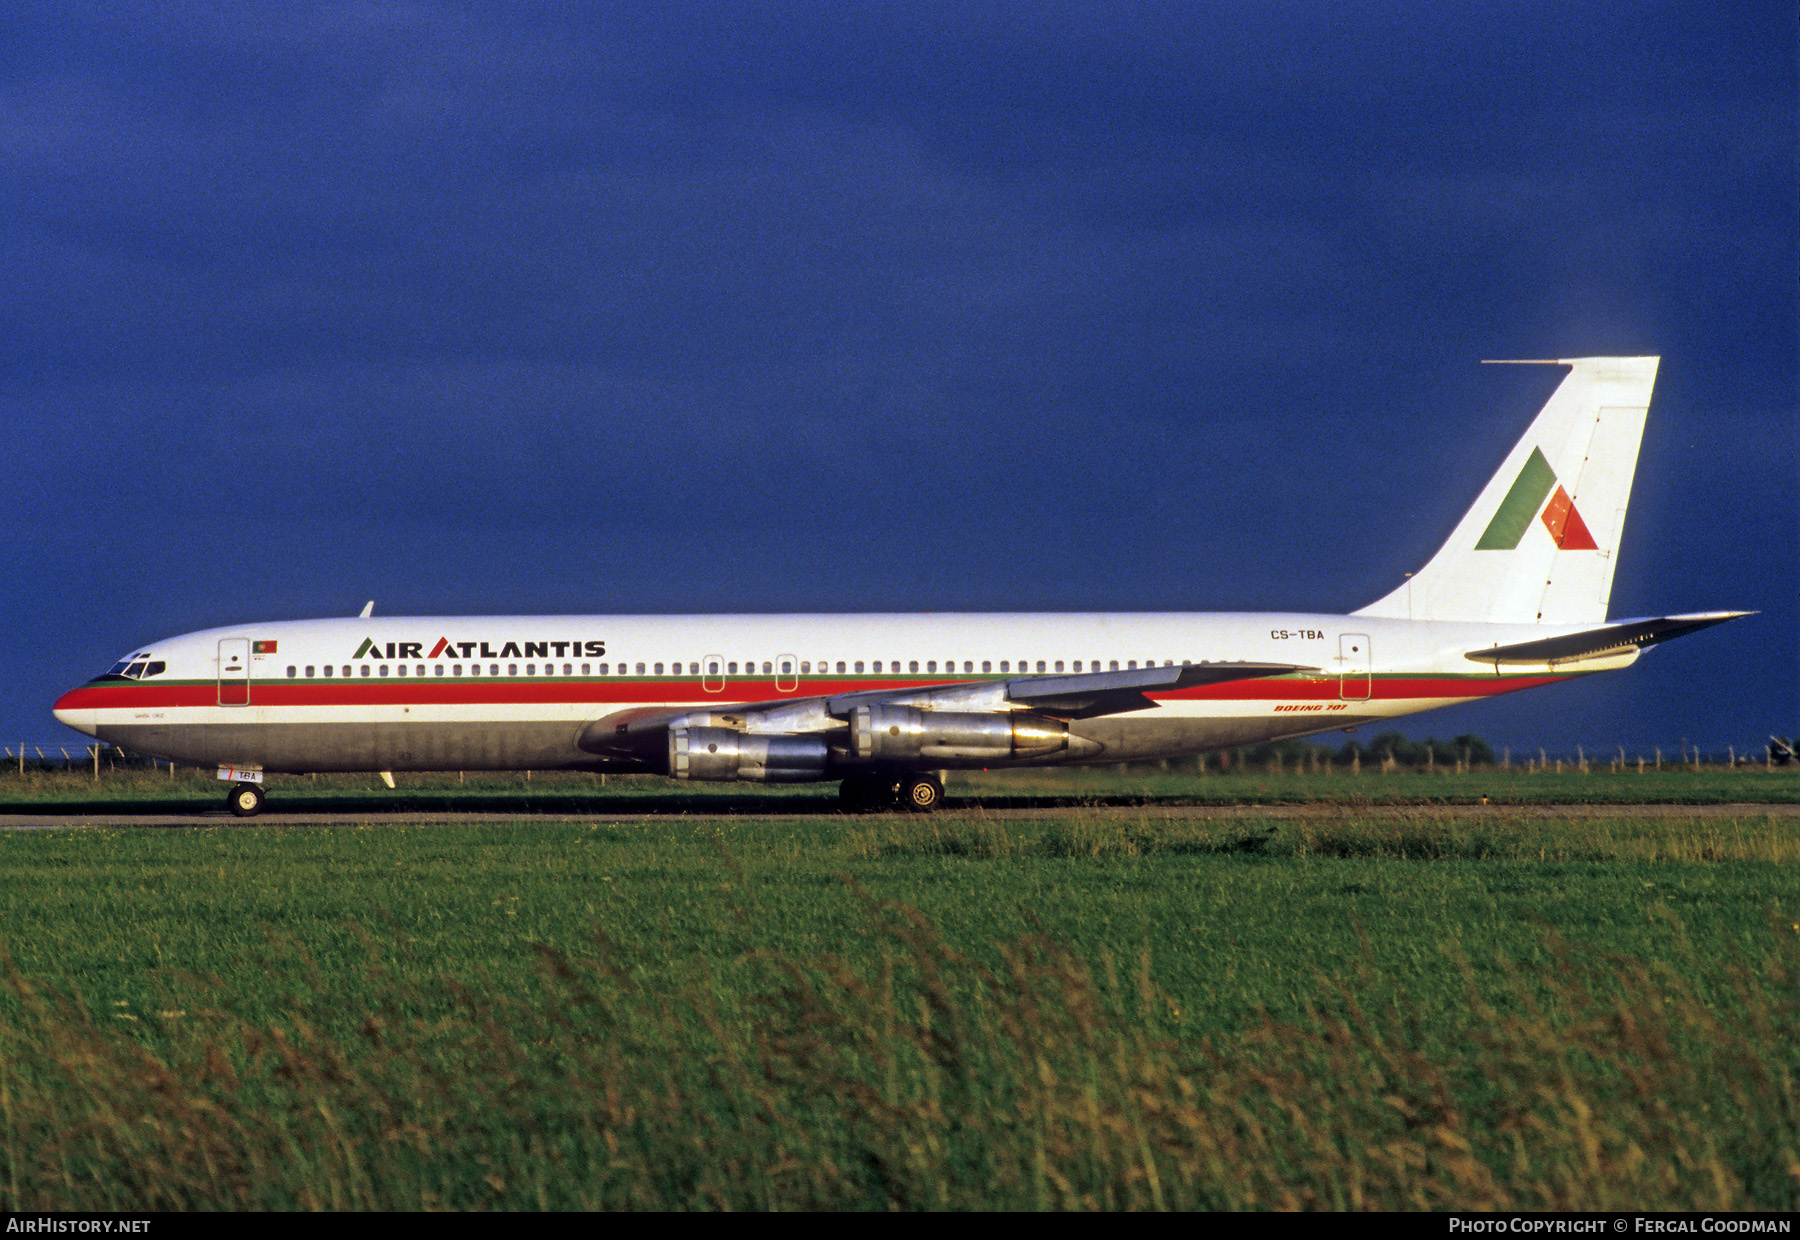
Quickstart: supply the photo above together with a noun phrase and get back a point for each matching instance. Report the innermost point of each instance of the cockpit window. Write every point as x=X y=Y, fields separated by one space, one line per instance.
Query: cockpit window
x=137 y=669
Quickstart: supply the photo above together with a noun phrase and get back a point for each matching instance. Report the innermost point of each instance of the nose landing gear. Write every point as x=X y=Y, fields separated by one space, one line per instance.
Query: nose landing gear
x=245 y=800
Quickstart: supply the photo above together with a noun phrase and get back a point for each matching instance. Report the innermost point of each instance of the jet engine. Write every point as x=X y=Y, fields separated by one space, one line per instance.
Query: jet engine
x=726 y=753
x=905 y=734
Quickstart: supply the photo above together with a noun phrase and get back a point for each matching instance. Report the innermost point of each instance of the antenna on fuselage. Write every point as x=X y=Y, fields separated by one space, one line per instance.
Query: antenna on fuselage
x=367 y=611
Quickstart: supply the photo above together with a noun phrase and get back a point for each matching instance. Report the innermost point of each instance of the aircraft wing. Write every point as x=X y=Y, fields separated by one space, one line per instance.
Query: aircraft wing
x=1081 y=695
x=1615 y=638
x=1084 y=695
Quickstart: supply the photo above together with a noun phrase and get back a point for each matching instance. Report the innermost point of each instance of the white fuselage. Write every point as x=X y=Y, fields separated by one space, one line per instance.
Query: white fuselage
x=516 y=692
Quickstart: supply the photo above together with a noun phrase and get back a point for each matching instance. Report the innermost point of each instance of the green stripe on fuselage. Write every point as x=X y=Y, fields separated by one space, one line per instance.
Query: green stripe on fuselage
x=1520 y=505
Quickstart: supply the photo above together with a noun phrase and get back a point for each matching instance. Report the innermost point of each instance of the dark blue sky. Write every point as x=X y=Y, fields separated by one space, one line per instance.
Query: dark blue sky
x=473 y=308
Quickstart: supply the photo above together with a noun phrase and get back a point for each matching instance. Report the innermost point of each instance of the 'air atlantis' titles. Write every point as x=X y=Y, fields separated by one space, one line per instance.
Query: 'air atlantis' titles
x=371 y=649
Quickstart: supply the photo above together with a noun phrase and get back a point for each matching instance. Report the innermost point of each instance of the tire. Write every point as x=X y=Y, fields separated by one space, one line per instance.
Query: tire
x=244 y=800
x=920 y=794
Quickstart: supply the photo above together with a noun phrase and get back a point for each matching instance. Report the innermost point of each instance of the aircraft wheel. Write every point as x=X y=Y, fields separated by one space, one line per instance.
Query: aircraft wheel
x=921 y=794
x=245 y=800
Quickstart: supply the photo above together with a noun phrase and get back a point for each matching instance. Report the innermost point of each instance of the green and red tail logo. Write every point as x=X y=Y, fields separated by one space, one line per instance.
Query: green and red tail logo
x=1526 y=500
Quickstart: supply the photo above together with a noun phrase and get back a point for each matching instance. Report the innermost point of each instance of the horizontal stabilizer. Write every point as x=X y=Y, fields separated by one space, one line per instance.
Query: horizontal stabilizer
x=1610 y=639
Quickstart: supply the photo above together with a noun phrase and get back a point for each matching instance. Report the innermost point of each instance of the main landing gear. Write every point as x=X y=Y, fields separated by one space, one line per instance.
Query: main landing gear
x=918 y=793
x=245 y=800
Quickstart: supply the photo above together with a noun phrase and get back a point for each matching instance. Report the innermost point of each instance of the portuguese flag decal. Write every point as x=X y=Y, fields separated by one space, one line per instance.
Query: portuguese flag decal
x=1526 y=500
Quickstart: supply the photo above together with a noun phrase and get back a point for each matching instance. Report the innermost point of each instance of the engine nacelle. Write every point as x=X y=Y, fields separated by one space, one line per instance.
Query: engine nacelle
x=883 y=733
x=726 y=753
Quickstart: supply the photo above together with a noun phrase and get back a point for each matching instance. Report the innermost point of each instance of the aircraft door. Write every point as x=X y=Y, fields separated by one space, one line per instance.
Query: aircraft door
x=712 y=674
x=787 y=673
x=1355 y=667
x=234 y=671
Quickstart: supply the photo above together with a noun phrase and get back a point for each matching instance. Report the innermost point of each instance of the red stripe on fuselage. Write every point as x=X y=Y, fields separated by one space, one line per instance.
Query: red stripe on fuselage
x=604 y=693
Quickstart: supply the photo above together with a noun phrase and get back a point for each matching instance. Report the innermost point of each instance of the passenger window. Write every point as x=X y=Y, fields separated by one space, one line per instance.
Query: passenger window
x=1040 y=665
x=787 y=668
x=384 y=669
x=731 y=669
x=659 y=669
x=1131 y=664
x=913 y=666
x=859 y=665
x=456 y=669
x=1077 y=666
x=640 y=669
x=402 y=670
x=712 y=669
x=1003 y=665
x=931 y=666
x=512 y=669
x=586 y=669
x=1115 y=666
x=347 y=669
x=421 y=669
x=568 y=669
x=968 y=665
x=328 y=669
x=841 y=666
x=987 y=665
x=309 y=671
x=766 y=667
x=693 y=669
x=292 y=671
x=805 y=668
x=438 y=670
x=1059 y=665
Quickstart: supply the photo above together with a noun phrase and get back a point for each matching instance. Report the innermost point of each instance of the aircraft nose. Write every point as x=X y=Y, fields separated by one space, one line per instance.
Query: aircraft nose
x=68 y=711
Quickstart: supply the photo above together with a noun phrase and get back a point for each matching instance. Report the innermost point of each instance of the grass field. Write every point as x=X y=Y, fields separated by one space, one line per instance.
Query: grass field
x=76 y=790
x=1108 y=1011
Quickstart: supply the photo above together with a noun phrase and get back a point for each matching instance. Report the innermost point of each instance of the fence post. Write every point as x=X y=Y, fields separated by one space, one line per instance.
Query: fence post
x=96 y=761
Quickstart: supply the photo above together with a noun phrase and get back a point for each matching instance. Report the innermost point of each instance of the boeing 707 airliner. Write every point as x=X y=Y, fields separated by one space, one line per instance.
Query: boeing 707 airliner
x=1516 y=598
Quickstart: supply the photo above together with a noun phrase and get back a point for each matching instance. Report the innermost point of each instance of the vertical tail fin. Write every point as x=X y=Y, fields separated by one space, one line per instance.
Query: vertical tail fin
x=1542 y=539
